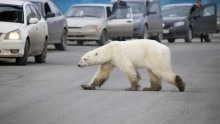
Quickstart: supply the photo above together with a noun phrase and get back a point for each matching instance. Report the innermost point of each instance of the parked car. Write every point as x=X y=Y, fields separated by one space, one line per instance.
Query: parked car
x=23 y=32
x=148 y=22
x=96 y=22
x=179 y=23
x=57 y=24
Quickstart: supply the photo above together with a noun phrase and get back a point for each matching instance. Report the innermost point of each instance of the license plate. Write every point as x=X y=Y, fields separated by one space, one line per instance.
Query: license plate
x=166 y=31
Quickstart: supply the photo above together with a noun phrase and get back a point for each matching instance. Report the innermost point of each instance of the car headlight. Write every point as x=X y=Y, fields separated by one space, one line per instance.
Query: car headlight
x=13 y=35
x=91 y=27
x=179 y=24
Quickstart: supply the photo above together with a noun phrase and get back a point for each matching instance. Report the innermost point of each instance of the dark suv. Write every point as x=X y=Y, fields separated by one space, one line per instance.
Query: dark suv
x=180 y=23
x=57 y=24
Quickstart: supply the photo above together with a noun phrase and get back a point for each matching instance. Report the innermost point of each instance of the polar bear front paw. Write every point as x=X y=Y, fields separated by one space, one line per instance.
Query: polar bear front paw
x=87 y=87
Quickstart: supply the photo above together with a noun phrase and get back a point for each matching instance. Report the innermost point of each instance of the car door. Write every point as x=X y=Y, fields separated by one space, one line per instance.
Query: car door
x=41 y=27
x=51 y=22
x=33 y=30
x=120 y=23
x=155 y=23
x=59 y=22
x=204 y=19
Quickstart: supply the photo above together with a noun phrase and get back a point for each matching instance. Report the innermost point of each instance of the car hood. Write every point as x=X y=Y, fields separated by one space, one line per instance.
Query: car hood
x=173 y=19
x=8 y=26
x=83 y=21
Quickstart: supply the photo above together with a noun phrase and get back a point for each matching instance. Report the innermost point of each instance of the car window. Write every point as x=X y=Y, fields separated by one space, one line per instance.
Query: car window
x=56 y=9
x=154 y=8
x=108 y=10
x=28 y=12
x=47 y=8
x=11 y=13
x=53 y=8
x=122 y=13
x=209 y=11
x=137 y=7
x=86 y=11
x=36 y=13
x=39 y=6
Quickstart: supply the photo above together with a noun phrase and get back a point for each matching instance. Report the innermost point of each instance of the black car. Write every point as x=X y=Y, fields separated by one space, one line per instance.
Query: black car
x=180 y=23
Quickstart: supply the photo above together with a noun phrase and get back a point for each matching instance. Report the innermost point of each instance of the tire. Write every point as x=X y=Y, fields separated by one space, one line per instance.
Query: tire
x=172 y=40
x=63 y=44
x=24 y=59
x=103 y=38
x=159 y=37
x=189 y=35
x=42 y=57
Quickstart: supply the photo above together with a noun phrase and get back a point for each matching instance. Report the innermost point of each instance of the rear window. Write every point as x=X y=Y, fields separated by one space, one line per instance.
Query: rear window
x=11 y=13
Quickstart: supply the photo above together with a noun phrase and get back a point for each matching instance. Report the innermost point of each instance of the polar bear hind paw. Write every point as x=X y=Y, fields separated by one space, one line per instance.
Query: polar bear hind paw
x=87 y=87
x=180 y=84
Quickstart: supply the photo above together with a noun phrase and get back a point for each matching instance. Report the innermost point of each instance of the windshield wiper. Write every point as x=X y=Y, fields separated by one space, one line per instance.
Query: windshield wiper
x=91 y=16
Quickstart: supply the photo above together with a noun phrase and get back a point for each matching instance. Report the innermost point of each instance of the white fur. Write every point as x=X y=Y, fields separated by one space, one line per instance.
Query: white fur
x=128 y=56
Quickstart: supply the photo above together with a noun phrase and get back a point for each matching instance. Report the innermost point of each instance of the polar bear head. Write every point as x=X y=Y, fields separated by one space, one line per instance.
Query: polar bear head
x=97 y=56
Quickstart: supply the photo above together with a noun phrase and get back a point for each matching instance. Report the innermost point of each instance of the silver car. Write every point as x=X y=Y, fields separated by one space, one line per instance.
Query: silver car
x=148 y=22
x=95 y=22
x=57 y=24
x=23 y=32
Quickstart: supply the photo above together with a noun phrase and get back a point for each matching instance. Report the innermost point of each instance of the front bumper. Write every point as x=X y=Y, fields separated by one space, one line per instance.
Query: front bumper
x=174 y=32
x=81 y=34
x=11 y=48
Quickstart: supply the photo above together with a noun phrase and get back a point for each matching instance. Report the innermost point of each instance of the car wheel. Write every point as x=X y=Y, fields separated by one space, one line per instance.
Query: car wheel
x=172 y=40
x=159 y=37
x=189 y=35
x=42 y=57
x=62 y=45
x=103 y=38
x=24 y=59
x=79 y=42
x=208 y=37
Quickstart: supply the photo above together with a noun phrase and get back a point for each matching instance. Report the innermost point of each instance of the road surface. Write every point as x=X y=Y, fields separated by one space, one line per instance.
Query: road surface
x=50 y=93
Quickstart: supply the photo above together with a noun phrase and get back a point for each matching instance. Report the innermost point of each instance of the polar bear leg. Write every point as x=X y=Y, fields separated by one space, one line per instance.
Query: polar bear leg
x=133 y=77
x=174 y=79
x=101 y=75
x=155 y=82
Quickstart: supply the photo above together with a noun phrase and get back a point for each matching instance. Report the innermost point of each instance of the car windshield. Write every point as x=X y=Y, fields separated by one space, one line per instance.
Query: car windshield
x=137 y=7
x=86 y=11
x=39 y=6
x=176 y=11
x=11 y=13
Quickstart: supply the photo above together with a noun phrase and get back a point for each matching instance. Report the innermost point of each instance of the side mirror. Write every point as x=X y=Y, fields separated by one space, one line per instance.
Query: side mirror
x=33 y=21
x=50 y=15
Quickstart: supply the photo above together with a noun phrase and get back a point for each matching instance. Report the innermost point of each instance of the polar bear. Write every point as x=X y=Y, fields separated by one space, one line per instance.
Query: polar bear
x=129 y=56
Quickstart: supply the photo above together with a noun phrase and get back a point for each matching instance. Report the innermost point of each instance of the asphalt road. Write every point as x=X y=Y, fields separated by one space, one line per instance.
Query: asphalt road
x=50 y=93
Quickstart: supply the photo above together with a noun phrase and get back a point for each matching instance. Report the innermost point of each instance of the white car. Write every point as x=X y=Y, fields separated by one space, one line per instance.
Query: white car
x=97 y=22
x=23 y=32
